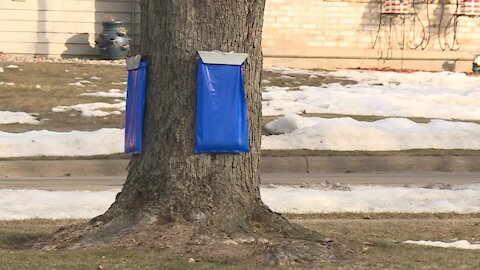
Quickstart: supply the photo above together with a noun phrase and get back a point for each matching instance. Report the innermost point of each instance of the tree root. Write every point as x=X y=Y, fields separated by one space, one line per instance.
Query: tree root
x=271 y=240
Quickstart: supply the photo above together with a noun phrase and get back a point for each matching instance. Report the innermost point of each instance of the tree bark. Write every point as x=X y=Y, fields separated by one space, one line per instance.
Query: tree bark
x=220 y=192
x=216 y=195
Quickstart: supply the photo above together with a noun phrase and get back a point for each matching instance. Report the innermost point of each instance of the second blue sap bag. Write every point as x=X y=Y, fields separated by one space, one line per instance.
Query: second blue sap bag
x=222 y=120
x=134 y=116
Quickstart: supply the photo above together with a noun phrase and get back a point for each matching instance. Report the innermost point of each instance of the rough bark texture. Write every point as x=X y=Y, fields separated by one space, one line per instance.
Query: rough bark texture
x=173 y=196
x=217 y=191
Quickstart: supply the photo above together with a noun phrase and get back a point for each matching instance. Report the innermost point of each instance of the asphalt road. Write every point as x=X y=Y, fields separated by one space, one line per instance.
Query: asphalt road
x=386 y=179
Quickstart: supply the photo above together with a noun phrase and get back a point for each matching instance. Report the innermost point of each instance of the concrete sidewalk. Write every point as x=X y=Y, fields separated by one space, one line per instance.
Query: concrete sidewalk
x=300 y=179
x=377 y=170
x=306 y=165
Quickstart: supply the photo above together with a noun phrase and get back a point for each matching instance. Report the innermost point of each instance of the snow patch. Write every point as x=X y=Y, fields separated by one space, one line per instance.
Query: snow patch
x=79 y=84
x=105 y=141
x=365 y=199
x=347 y=134
x=93 y=109
x=265 y=81
x=462 y=244
x=26 y=204
x=7 y=117
x=114 y=93
x=444 y=95
x=290 y=123
x=7 y=83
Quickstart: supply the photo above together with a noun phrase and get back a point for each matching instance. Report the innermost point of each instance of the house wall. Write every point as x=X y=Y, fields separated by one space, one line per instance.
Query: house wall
x=354 y=33
x=355 y=24
x=297 y=33
x=59 y=27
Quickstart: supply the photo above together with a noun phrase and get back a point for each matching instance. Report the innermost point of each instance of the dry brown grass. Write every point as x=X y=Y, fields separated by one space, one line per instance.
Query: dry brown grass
x=377 y=243
x=372 y=241
x=54 y=79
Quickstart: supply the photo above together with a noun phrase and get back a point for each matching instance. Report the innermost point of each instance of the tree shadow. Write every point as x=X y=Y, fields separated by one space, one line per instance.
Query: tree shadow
x=425 y=26
x=20 y=240
x=449 y=66
x=371 y=23
x=443 y=24
x=398 y=30
x=82 y=44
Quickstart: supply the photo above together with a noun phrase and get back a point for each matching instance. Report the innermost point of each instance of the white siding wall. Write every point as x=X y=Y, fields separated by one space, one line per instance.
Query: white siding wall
x=59 y=27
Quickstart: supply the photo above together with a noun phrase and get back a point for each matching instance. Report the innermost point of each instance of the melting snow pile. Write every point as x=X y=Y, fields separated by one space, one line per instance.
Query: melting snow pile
x=27 y=204
x=444 y=95
x=462 y=244
x=97 y=109
x=347 y=134
x=7 y=117
x=286 y=199
x=24 y=204
x=94 y=109
x=48 y=143
x=113 y=93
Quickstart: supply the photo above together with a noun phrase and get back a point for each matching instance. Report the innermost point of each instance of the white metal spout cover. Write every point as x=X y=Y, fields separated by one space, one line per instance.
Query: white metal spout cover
x=133 y=62
x=223 y=58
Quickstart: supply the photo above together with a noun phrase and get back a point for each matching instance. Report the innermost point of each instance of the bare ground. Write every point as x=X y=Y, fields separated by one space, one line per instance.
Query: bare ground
x=373 y=241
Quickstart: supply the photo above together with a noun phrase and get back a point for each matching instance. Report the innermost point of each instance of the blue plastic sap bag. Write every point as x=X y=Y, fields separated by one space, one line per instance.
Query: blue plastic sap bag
x=222 y=121
x=136 y=89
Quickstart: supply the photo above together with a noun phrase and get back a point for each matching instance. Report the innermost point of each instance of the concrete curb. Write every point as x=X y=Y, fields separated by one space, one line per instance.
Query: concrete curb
x=317 y=164
x=284 y=165
x=370 y=164
x=62 y=168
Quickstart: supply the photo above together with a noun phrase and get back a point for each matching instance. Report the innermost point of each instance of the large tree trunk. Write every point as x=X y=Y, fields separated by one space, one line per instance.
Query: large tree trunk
x=215 y=197
x=220 y=191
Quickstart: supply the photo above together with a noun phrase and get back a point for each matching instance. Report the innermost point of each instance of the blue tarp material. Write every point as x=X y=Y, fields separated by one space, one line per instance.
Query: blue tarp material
x=136 y=89
x=222 y=124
